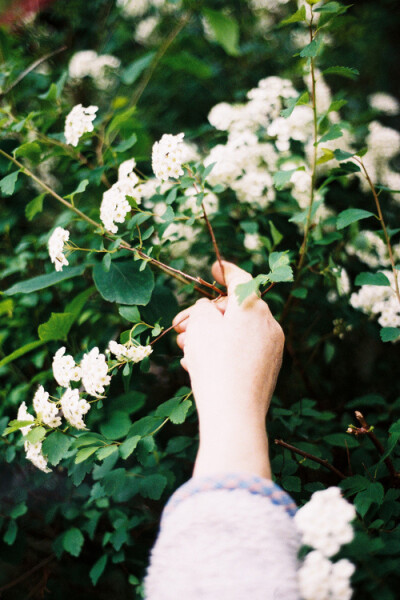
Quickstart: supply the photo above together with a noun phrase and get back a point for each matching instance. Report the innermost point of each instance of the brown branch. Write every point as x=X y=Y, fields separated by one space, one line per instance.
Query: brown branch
x=273 y=284
x=365 y=429
x=320 y=461
x=27 y=574
x=32 y=67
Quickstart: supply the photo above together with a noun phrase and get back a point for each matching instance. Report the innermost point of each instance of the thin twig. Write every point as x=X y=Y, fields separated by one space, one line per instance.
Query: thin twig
x=273 y=284
x=365 y=429
x=320 y=461
x=104 y=232
x=162 y=50
x=27 y=574
x=383 y=225
x=32 y=67
x=168 y=330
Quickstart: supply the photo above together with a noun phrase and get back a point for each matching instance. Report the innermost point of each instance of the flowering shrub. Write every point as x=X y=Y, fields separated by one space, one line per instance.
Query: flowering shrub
x=127 y=168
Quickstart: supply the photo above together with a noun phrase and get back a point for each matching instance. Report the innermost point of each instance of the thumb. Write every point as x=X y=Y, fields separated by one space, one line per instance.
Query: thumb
x=232 y=275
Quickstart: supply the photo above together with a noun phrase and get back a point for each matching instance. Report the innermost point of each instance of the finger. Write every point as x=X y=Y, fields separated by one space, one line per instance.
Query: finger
x=180 y=340
x=204 y=318
x=184 y=363
x=221 y=303
x=180 y=320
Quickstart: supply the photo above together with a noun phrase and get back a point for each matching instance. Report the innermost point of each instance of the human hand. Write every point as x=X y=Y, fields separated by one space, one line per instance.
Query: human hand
x=233 y=354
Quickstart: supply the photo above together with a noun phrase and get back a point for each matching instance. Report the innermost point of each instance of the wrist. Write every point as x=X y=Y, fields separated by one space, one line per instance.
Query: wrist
x=233 y=445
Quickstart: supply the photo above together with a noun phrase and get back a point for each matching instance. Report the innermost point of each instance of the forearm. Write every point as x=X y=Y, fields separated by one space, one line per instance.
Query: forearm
x=235 y=445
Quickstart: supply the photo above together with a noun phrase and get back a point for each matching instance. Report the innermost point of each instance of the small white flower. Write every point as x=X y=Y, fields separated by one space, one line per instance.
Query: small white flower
x=65 y=369
x=74 y=408
x=46 y=411
x=78 y=122
x=35 y=455
x=325 y=521
x=167 y=156
x=114 y=205
x=23 y=415
x=126 y=353
x=384 y=103
x=252 y=242
x=94 y=372
x=89 y=63
x=56 y=247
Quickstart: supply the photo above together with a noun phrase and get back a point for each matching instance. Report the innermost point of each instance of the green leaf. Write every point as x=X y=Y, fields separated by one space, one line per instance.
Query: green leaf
x=300 y=292
x=174 y=409
x=243 y=290
x=35 y=435
x=131 y=73
x=11 y=533
x=124 y=283
x=57 y=327
x=299 y=15
x=342 y=440
x=98 y=568
x=187 y=62
x=56 y=446
x=281 y=178
x=29 y=150
x=128 y=446
x=34 y=207
x=15 y=425
x=342 y=155
x=79 y=190
x=43 y=281
x=372 y=279
x=153 y=486
x=76 y=305
x=72 y=541
x=125 y=145
x=351 y=215
x=19 y=510
x=105 y=452
x=225 y=30
x=130 y=313
x=117 y=426
x=304 y=98
x=20 y=352
x=348 y=72
x=280 y=269
x=389 y=334
x=312 y=49
x=334 y=132
x=7 y=184
x=291 y=483
x=84 y=453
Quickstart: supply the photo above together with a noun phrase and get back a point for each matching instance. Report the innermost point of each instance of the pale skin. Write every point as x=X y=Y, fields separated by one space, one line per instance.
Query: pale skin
x=233 y=354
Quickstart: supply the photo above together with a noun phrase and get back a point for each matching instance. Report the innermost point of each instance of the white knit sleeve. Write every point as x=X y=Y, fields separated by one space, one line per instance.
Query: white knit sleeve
x=225 y=538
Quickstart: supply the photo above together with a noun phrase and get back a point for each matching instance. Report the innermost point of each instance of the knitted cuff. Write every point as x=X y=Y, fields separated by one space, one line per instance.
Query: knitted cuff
x=230 y=482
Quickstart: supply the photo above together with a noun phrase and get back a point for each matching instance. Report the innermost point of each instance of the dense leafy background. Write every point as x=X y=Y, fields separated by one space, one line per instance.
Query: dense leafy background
x=104 y=511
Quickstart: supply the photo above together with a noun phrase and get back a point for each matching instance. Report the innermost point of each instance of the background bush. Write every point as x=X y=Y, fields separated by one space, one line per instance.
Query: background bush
x=95 y=520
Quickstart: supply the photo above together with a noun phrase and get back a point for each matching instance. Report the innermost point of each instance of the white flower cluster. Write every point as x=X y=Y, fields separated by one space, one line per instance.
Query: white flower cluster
x=97 y=66
x=168 y=157
x=56 y=247
x=325 y=521
x=385 y=103
x=145 y=31
x=94 y=371
x=320 y=579
x=79 y=121
x=46 y=411
x=74 y=407
x=129 y=353
x=369 y=247
x=114 y=205
x=64 y=368
x=379 y=300
x=258 y=135
x=33 y=451
x=325 y=525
